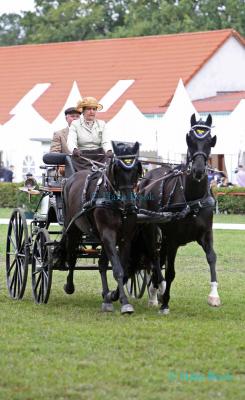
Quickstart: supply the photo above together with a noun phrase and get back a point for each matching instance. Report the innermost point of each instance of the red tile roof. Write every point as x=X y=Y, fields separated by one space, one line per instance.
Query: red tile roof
x=222 y=102
x=155 y=63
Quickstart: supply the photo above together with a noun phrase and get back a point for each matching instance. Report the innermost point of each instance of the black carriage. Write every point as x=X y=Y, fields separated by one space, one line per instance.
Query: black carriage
x=31 y=244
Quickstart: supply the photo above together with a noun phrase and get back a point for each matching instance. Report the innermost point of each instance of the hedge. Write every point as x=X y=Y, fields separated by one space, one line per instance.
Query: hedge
x=228 y=202
x=11 y=196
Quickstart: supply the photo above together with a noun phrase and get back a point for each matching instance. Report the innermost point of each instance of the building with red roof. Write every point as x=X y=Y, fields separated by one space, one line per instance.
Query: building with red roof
x=38 y=79
x=211 y=65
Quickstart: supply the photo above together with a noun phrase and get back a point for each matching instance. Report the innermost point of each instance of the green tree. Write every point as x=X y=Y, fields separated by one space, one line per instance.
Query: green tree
x=218 y=14
x=62 y=20
x=11 y=31
x=158 y=17
x=59 y=20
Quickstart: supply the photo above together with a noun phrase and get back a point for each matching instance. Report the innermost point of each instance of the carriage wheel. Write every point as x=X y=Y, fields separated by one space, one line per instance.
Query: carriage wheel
x=17 y=254
x=41 y=267
x=136 y=284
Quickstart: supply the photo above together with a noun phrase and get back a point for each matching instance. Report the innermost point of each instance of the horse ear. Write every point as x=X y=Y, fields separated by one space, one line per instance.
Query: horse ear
x=140 y=169
x=193 y=120
x=209 y=120
x=213 y=141
x=188 y=139
x=114 y=147
x=136 y=148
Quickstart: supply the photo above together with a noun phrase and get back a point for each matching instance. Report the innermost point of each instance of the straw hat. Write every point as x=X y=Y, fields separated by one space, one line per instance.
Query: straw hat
x=88 y=102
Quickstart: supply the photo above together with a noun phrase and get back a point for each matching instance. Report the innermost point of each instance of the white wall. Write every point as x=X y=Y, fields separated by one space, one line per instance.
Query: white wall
x=225 y=71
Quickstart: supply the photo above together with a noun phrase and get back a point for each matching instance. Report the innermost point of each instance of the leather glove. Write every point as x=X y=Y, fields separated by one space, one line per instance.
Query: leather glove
x=76 y=153
x=109 y=154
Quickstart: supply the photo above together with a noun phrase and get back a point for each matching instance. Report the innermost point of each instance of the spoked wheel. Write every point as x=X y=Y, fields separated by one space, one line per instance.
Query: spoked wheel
x=136 y=284
x=17 y=254
x=41 y=267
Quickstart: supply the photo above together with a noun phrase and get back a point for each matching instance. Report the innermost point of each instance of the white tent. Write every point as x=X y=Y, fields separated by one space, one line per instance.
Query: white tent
x=230 y=134
x=130 y=125
x=72 y=100
x=174 y=125
x=19 y=149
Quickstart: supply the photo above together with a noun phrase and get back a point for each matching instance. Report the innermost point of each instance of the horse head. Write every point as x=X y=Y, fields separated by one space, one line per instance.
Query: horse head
x=125 y=168
x=199 y=142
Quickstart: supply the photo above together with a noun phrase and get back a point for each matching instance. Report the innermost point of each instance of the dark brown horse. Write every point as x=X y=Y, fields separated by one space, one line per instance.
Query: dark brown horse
x=102 y=204
x=183 y=188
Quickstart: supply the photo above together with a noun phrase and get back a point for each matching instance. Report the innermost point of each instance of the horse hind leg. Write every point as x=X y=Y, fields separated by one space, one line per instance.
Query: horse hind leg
x=156 y=285
x=69 y=286
x=169 y=276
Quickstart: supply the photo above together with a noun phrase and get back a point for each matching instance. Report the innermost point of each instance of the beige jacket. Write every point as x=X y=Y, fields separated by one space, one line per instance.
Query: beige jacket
x=59 y=141
x=84 y=138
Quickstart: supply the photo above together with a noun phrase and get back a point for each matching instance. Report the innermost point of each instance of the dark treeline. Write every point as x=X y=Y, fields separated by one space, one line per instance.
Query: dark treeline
x=62 y=20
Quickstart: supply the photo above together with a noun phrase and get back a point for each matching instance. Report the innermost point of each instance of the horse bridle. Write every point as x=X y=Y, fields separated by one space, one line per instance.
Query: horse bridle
x=199 y=136
x=125 y=163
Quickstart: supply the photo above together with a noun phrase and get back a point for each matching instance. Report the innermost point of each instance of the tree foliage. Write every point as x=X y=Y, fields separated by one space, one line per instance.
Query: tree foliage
x=61 y=20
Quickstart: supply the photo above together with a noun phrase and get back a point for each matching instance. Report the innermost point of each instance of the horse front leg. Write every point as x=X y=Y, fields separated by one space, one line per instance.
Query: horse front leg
x=108 y=238
x=207 y=244
x=103 y=262
x=169 y=276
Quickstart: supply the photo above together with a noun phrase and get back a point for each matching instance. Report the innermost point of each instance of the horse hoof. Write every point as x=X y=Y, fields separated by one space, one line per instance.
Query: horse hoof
x=107 y=307
x=214 y=301
x=69 y=289
x=127 y=309
x=164 y=311
x=153 y=303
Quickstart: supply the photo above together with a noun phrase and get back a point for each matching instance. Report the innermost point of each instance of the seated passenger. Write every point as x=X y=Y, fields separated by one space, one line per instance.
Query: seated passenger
x=87 y=138
x=59 y=141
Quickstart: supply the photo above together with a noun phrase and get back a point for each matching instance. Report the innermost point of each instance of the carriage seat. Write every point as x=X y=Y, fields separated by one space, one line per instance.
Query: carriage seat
x=57 y=159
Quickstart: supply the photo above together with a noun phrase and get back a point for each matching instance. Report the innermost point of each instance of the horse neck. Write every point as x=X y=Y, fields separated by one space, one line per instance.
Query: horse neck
x=193 y=189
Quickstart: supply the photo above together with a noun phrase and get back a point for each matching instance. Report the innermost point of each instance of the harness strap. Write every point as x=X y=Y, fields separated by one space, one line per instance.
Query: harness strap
x=166 y=176
x=195 y=205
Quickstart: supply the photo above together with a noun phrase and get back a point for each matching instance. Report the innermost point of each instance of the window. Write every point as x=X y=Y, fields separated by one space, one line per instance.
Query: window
x=28 y=166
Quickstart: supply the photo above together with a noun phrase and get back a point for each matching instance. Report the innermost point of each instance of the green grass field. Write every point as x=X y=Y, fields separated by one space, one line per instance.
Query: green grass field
x=69 y=350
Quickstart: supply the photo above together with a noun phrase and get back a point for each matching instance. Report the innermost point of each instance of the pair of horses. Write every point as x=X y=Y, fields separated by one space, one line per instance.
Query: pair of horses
x=105 y=205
